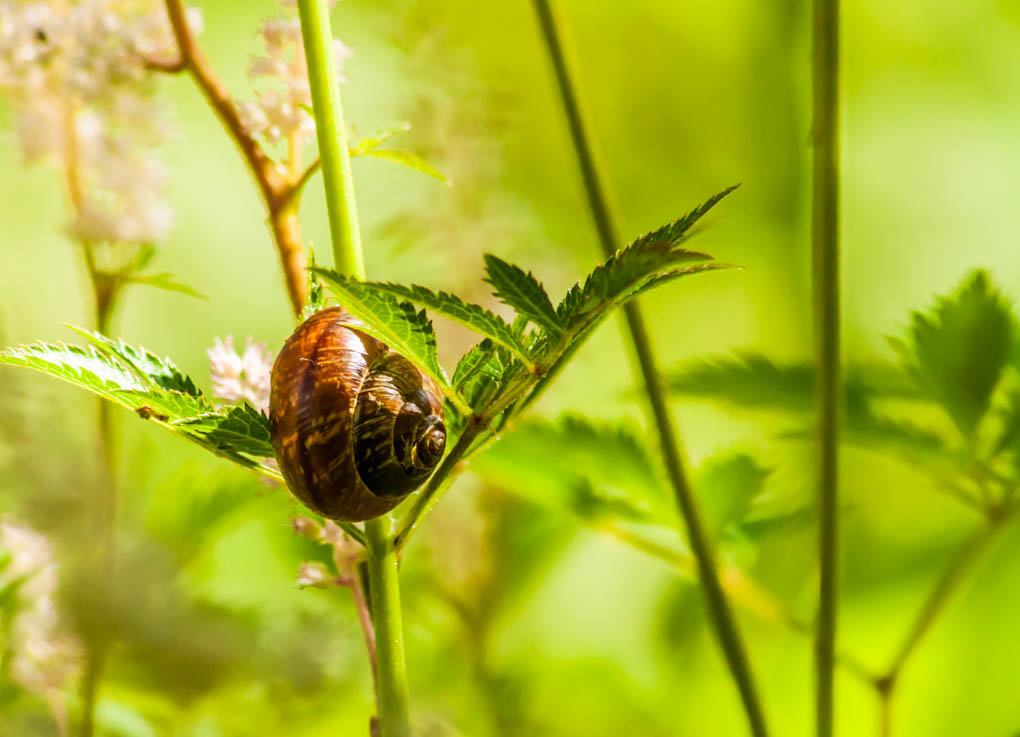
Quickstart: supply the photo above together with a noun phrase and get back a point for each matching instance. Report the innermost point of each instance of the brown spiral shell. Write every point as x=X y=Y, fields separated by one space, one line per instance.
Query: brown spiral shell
x=356 y=427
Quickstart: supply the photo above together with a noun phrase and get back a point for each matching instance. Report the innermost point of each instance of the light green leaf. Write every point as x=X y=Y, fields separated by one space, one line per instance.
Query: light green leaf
x=164 y=281
x=472 y=316
x=395 y=323
x=376 y=138
x=522 y=291
x=755 y=381
x=410 y=160
x=580 y=465
x=727 y=487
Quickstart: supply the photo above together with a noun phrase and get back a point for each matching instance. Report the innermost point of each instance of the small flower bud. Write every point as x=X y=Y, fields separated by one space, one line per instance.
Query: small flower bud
x=314 y=575
x=306 y=527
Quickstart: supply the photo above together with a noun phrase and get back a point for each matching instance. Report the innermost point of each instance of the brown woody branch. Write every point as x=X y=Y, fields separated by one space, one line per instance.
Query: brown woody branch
x=279 y=193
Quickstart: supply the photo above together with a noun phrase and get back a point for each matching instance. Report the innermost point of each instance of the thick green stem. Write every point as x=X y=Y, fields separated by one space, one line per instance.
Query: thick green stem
x=825 y=260
x=384 y=585
x=701 y=548
x=332 y=137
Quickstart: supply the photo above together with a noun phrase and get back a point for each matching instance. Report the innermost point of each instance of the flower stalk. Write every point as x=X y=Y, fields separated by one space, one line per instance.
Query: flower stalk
x=701 y=547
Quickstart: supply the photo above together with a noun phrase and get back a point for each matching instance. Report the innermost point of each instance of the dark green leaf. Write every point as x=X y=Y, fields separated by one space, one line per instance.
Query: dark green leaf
x=651 y=258
x=959 y=348
x=240 y=429
x=522 y=291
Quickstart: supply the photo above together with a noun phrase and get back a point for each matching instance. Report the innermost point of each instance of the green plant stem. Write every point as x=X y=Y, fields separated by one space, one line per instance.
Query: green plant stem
x=946 y=585
x=825 y=263
x=394 y=715
x=701 y=548
x=332 y=137
x=384 y=582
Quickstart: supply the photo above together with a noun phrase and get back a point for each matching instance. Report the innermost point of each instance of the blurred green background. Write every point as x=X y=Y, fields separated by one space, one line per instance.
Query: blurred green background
x=520 y=620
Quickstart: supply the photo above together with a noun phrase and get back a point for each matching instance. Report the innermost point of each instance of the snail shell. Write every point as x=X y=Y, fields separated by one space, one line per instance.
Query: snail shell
x=356 y=427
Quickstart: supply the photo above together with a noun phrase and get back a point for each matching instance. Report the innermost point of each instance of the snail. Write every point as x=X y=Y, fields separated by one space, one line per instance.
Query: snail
x=356 y=427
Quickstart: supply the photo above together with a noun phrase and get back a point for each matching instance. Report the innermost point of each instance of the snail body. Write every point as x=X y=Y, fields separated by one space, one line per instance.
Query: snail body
x=356 y=427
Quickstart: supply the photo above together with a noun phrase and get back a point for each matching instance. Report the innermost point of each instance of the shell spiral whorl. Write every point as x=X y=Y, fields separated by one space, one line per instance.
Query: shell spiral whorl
x=356 y=427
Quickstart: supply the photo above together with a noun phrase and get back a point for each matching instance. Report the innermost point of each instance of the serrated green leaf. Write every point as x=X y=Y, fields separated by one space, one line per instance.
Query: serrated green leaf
x=376 y=138
x=397 y=324
x=111 y=377
x=240 y=429
x=624 y=275
x=959 y=348
x=479 y=373
x=164 y=281
x=472 y=316
x=316 y=294
x=409 y=160
x=522 y=291
x=148 y=366
x=676 y=231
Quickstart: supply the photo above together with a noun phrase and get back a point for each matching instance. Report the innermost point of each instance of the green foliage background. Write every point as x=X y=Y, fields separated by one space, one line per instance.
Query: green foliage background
x=521 y=616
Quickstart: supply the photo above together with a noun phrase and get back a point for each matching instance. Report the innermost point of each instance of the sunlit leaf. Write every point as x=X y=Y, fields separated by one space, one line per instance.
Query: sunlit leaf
x=397 y=324
x=149 y=367
x=472 y=316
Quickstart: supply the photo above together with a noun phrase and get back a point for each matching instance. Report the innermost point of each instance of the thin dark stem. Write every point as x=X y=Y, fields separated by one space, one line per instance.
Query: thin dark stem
x=701 y=547
x=825 y=258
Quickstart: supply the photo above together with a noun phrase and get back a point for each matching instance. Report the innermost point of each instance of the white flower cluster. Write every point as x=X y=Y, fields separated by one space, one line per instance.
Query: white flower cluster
x=76 y=72
x=239 y=377
x=280 y=77
x=44 y=656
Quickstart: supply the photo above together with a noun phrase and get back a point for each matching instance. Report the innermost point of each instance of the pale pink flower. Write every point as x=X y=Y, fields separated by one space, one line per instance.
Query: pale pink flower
x=84 y=61
x=314 y=575
x=280 y=78
x=44 y=655
x=241 y=377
